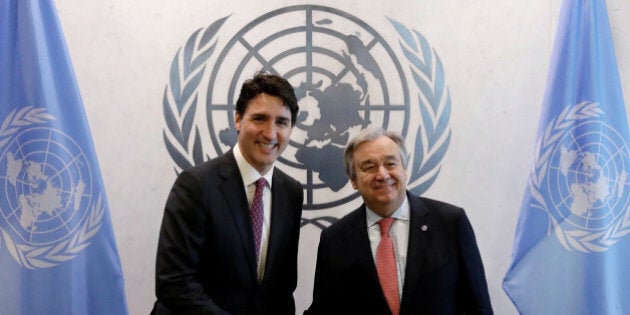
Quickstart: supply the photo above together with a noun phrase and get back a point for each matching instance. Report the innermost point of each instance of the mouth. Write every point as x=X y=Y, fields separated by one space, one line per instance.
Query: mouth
x=384 y=187
x=267 y=146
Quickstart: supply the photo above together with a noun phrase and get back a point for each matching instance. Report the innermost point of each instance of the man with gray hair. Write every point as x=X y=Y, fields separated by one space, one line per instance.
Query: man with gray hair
x=397 y=253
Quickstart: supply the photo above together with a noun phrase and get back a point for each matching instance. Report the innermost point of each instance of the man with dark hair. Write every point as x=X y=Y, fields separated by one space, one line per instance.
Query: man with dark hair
x=397 y=253
x=229 y=237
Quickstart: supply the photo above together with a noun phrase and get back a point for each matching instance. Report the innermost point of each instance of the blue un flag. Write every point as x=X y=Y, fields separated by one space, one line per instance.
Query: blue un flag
x=572 y=244
x=57 y=249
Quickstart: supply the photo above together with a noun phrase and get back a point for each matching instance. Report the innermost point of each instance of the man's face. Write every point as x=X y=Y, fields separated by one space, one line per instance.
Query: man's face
x=263 y=131
x=381 y=178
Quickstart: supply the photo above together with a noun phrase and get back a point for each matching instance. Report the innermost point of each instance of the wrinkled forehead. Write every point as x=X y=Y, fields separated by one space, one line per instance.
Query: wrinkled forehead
x=383 y=158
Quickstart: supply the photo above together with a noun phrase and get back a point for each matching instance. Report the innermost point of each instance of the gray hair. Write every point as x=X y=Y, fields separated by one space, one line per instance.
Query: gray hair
x=371 y=134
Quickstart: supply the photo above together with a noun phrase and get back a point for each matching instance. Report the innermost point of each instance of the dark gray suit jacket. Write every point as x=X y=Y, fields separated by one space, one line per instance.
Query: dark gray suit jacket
x=444 y=273
x=206 y=258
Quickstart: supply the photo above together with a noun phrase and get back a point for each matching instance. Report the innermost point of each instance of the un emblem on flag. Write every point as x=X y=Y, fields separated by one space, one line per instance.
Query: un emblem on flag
x=346 y=76
x=581 y=179
x=48 y=214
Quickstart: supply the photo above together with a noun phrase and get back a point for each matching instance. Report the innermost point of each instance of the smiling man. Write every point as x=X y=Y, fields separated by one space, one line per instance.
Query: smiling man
x=397 y=253
x=229 y=237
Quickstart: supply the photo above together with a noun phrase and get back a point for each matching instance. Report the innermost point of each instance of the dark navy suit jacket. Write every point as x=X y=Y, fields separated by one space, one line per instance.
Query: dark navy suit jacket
x=206 y=260
x=444 y=273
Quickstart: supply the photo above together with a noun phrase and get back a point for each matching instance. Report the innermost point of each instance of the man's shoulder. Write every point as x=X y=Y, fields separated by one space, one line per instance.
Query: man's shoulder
x=434 y=207
x=214 y=163
x=435 y=204
x=207 y=172
x=347 y=221
x=288 y=179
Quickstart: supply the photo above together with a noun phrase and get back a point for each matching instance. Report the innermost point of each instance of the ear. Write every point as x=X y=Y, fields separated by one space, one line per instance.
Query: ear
x=354 y=183
x=237 y=122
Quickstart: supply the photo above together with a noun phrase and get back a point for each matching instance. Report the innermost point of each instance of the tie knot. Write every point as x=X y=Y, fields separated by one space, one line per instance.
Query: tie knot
x=385 y=224
x=261 y=183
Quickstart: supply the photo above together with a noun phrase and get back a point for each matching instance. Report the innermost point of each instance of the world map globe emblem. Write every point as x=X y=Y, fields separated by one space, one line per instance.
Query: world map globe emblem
x=587 y=181
x=47 y=186
x=345 y=75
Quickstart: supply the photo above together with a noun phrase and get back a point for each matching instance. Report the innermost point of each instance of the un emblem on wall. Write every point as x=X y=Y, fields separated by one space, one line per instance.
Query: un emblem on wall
x=580 y=179
x=48 y=214
x=346 y=76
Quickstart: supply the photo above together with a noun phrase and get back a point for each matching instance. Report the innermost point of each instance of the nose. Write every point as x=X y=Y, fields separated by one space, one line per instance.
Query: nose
x=382 y=173
x=269 y=130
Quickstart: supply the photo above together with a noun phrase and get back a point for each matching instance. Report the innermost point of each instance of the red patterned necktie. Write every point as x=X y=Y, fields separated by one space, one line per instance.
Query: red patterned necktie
x=386 y=266
x=257 y=213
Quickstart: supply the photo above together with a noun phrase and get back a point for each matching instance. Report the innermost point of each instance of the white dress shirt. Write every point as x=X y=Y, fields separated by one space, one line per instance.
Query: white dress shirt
x=250 y=175
x=399 y=233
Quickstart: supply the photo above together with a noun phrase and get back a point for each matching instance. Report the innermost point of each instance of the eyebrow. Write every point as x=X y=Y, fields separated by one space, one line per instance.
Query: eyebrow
x=391 y=157
x=373 y=161
x=363 y=163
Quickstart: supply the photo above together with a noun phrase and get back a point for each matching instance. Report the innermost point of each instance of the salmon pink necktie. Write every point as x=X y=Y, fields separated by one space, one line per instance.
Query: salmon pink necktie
x=386 y=266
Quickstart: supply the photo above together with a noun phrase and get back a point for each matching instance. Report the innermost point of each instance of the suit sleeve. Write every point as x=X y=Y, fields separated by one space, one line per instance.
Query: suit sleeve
x=181 y=239
x=472 y=285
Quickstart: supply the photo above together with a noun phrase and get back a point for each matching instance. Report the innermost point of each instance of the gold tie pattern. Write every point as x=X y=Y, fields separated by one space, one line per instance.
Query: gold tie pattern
x=386 y=266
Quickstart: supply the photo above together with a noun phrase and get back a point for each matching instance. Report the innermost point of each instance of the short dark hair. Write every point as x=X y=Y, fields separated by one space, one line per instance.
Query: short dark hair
x=371 y=134
x=269 y=84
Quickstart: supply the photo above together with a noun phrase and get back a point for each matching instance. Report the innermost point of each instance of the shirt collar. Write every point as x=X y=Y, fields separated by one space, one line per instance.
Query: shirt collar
x=402 y=213
x=248 y=172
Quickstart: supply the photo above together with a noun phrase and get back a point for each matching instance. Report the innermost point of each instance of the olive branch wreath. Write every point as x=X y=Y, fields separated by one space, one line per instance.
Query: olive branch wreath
x=577 y=239
x=181 y=97
x=32 y=257
x=433 y=135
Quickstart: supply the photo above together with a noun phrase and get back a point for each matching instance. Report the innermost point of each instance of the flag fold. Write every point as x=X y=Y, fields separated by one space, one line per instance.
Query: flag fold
x=572 y=244
x=57 y=247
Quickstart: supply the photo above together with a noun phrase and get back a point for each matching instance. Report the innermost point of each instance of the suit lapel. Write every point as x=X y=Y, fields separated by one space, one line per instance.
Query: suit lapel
x=359 y=248
x=233 y=191
x=280 y=221
x=420 y=229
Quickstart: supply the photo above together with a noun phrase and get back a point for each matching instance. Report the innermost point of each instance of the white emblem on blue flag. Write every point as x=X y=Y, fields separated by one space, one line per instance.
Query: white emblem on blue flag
x=58 y=255
x=580 y=175
x=50 y=212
